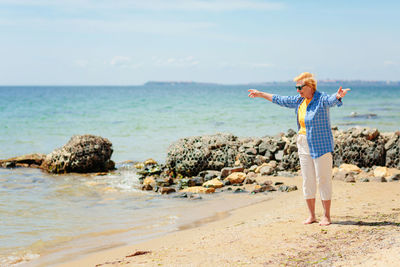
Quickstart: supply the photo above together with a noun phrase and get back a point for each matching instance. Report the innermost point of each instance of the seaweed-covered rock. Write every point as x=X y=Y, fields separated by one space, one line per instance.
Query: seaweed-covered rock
x=82 y=154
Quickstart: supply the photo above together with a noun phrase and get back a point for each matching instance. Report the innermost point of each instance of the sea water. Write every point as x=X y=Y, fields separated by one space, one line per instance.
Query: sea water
x=42 y=213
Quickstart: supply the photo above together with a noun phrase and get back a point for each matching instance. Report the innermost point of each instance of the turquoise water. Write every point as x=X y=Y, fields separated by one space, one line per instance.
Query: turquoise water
x=40 y=212
x=141 y=121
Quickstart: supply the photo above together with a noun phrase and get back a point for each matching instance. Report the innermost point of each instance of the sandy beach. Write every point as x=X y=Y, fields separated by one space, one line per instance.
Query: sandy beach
x=365 y=231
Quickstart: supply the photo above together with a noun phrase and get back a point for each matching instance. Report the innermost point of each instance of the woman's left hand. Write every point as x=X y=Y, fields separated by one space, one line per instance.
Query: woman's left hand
x=341 y=92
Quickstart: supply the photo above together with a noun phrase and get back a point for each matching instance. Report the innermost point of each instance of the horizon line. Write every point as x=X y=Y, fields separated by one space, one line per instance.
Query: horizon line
x=209 y=83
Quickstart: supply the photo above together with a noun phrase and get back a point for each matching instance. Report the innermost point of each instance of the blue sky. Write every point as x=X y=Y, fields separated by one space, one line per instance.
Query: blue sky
x=121 y=42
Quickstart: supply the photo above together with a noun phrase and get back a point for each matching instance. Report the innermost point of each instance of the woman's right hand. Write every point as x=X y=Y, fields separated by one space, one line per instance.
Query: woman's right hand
x=254 y=93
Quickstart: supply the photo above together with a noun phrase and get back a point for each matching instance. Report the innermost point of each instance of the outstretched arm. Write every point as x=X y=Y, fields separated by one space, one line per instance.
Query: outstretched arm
x=255 y=93
x=284 y=101
x=335 y=99
x=341 y=92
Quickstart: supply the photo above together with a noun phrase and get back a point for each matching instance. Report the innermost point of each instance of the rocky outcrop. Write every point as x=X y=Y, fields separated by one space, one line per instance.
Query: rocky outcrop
x=362 y=147
x=82 y=154
x=392 y=148
x=28 y=161
x=359 y=146
x=189 y=156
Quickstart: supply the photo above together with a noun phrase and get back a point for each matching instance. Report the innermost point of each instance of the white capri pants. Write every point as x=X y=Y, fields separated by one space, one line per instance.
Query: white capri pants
x=315 y=170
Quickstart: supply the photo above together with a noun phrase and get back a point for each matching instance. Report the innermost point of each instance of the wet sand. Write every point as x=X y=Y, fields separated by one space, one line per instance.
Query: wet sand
x=365 y=231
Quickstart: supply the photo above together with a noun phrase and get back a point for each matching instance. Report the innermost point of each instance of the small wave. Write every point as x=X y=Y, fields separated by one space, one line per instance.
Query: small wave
x=15 y=260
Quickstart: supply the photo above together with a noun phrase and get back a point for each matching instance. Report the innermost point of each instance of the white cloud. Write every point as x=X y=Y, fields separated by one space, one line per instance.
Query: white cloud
x=120 y=61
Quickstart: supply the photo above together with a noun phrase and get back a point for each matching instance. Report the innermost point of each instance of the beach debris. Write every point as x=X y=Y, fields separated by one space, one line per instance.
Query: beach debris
x=138 y=253
x=82 y=154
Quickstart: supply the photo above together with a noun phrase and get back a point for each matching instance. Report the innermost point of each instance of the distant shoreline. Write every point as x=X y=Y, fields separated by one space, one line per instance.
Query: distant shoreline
x=183 y=83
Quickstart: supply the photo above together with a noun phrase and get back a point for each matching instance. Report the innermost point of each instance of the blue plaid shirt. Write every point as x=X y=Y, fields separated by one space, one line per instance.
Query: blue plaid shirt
x=318 y=125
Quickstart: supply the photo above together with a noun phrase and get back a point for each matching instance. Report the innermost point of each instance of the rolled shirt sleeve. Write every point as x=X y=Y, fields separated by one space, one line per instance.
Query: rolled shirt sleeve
x=286 y=101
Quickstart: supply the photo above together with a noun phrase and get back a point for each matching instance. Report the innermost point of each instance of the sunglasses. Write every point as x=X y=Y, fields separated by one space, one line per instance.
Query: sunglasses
x=300 y=87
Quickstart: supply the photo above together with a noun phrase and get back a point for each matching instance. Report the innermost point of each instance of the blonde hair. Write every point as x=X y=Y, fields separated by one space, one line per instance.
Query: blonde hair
x=308 y=79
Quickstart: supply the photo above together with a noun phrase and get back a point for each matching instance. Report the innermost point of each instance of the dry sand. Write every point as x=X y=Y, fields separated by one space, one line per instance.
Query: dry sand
x=365 y=231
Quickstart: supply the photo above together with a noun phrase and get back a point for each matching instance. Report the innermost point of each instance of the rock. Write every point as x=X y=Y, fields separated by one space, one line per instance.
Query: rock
x=150 y=162
x=258 y=169
x=188 y=195
x=371 y=134
x=29 y=160
x=184 y=182
x=82 y=154
x=239 y=190
x=191 y=155
x=267 y=187
x=379 y=179
x=167 y=190
x=199 y=190
x=225 y=172
x=215 y=183
x=209 y=174
x=278 y=183
x=353 y=147
x=350 y=179
x=251 y=175
x=364 y=180
x=236 y=177
x=251 y=151
x=260 y=160
x=286 y=174
x=381 y=172
x=266 y=170
x=149 y=181
x=197 y=181
x=349 y=168
x=273 y=164
x=279 y=155
x=285 y=188
x=139 y=165
x=147 y=187
x=394 y=177
x=347 y=176
x=250 y=178
x=253 y=168
x=290 y=133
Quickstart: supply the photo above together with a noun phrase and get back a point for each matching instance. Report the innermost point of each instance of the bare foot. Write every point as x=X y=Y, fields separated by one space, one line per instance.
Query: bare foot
x=325 y=221
x=310 y=220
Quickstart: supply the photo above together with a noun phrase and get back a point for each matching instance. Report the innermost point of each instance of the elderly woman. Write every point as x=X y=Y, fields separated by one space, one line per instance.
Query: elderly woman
x=314 y=139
